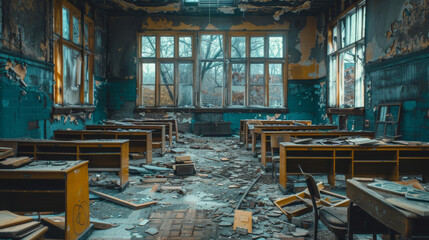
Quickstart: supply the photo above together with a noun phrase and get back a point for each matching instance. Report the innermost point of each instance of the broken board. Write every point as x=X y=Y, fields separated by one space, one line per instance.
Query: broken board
x=418 y=207
x=5 y=152
x=243 y=219
x=417 y=195
x=122 y=202
x=14 y=231
x=8 y=219
x=390 y=187
x=14 y=162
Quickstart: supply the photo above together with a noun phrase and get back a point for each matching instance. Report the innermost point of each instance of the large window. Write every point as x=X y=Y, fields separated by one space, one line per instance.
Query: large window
x=166 y=69
x=228 y=69
x=346 y=50
x=257 y=69
x=73 y=55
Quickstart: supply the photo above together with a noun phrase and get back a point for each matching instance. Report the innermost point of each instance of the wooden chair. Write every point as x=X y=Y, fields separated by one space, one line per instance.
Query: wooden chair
x=275 y=140
x=334 y=218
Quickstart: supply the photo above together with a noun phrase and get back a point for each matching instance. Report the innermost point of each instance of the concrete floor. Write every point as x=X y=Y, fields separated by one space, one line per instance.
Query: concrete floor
x=209 y=190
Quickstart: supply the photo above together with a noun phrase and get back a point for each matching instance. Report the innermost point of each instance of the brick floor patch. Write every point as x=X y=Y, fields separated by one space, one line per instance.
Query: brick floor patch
x=182 y=224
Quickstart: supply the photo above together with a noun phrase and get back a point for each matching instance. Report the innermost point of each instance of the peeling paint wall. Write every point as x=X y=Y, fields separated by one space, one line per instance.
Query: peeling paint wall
x=26 y=88
x=396 y=27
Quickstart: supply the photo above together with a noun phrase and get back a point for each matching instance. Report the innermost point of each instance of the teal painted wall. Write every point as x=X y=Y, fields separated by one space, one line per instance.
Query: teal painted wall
x=21 y=107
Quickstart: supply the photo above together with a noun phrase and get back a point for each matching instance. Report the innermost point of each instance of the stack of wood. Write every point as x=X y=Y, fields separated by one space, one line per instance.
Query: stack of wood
x=13 y=162
x=184 y=166
x=14 y=226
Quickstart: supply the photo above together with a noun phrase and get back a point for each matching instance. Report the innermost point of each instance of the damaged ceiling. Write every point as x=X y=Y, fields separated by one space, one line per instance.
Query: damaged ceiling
x=276 y=8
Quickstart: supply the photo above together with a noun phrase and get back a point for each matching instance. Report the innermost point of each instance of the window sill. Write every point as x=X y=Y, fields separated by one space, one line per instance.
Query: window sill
x=347 y=111
x=72 y=109
x=212 y=110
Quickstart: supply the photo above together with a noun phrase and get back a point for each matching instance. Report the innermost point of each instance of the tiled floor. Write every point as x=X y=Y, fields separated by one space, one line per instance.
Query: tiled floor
x=182 y=224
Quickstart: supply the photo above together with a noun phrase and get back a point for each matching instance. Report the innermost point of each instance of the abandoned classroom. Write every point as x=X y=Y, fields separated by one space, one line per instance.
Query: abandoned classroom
x=214 y=119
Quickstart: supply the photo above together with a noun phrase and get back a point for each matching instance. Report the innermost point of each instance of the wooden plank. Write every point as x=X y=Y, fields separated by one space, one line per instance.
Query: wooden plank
x=5 y=152
x=8 y=219
x=243 y=219
x=155 y=180
x=14 y=231
x=122 y=202
x=14 y=162
x=37 y=234
x=418 y=207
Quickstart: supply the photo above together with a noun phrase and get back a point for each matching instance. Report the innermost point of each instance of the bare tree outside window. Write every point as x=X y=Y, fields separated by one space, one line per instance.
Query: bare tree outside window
x=211 y=70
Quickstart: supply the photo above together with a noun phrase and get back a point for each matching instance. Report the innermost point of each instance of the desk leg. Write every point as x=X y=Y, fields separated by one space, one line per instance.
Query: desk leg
x=149 y=148
x=264 y=150
x=254 y=145
x=77 y=203
x=282 y=169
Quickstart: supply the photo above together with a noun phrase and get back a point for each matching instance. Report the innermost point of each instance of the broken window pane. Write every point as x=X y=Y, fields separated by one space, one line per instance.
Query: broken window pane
x=167 y=47
x=347 y=83
x=238 y=84
x=256 y=47
x=359 y=96
x=86 y=29
x=148 y=71
x=276 y=85
x=211 y=84
x=86 y=82
x=238 y=47
x=343 y=33
x=335 y=38
x=211 y=47
x=257 y=83
x=76 y=32
x=167 y=84
x=72 y=64
x=149 y=46
x=66 y=24
x=333 y=81
x=363 y=20
x=185 y=84
x=276 y=47
x=185 y=47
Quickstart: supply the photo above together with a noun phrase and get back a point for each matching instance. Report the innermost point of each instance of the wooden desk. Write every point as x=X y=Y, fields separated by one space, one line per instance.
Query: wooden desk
x=168 y=129
x=44 y=186
x=266 y=136
x=244 y=125
x=172 y=121
x=374 y=203
x=158 y=132
x=140 y=140
x=257 y=129
x=388 y=161
x=103 y=155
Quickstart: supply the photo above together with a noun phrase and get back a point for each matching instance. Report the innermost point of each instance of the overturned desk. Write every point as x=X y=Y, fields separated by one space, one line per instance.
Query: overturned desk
x=42 y=186
x=103 y=155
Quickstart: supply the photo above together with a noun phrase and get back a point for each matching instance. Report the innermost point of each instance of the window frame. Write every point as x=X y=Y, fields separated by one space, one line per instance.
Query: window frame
x=177 y=60
x=340 y=49
x=226 y=60
x=61 y=41
x=266 y=60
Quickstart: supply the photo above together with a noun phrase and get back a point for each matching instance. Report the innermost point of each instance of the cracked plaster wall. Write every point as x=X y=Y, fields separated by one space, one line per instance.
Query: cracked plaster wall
x=26 y=111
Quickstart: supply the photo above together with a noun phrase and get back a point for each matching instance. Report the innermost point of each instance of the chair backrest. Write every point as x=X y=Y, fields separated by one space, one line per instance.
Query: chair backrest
x=275 y=140
x=312 y=189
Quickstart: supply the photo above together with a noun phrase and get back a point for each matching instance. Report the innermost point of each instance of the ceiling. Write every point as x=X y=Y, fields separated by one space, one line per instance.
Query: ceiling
x=215 y=7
